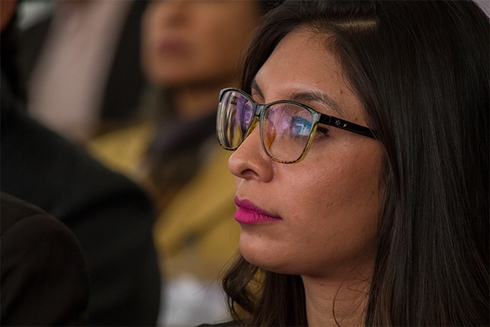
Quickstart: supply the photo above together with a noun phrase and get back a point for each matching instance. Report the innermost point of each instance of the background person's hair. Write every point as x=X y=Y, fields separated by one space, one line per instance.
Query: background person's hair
x=421 y=69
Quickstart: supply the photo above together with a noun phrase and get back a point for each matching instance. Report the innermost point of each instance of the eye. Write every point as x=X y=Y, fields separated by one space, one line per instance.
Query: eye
x=300 y=126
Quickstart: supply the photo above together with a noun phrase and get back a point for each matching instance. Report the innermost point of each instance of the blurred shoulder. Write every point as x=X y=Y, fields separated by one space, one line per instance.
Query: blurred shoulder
x=15 y=210
x=122 y=150
x=43 y=269
x=24 y=226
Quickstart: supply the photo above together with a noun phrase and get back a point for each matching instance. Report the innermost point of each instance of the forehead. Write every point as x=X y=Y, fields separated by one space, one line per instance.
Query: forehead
x=304 y=62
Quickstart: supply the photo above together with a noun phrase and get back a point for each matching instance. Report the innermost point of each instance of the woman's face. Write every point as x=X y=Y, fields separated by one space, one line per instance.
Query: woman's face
x=328 y=204
x=187 y=43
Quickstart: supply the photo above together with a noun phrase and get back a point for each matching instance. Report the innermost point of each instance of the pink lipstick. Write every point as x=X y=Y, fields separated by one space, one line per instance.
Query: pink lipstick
x=248 y=213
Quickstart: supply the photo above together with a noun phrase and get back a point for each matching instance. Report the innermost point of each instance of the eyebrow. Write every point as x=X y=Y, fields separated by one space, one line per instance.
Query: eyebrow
x=307 y=97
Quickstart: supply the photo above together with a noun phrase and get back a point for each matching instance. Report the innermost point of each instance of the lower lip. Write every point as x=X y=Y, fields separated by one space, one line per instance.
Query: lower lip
x=245 y=216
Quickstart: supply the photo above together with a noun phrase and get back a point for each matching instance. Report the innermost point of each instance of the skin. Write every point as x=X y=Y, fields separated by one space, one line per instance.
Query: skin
x=329 y=202
x=194 y=48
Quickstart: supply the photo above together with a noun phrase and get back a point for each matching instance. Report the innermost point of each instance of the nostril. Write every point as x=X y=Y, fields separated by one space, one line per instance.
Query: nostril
x=247 y=173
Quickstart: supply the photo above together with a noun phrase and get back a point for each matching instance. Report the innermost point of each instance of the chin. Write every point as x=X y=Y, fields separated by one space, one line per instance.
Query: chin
x=168 y=79
x=268 y=260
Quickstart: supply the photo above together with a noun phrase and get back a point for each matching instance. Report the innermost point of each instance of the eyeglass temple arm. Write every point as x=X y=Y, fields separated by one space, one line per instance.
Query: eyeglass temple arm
x=348 y=126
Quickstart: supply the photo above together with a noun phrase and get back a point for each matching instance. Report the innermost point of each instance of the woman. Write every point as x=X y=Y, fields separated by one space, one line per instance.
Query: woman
x=362 y=166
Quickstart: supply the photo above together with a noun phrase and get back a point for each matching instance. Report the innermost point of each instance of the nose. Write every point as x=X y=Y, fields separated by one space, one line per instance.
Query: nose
x=173 y=12
x=250 y=161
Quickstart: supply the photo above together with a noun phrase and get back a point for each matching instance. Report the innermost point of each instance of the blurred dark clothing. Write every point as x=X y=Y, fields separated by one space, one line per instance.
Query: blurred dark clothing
x=45 y=280
x=124 y=81
x=111 y=216
x=228 y=323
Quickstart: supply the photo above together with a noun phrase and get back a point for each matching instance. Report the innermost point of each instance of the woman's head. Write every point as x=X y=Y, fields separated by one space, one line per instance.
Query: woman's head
x=417 y=74
x=191 y=43
x=325 y=206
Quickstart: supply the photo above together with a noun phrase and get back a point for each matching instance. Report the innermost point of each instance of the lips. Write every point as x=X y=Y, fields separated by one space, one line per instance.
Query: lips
x=248 y=213
x=172 y=46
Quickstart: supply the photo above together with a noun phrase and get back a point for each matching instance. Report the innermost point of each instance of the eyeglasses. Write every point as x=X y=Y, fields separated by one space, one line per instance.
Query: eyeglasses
x=287 y=128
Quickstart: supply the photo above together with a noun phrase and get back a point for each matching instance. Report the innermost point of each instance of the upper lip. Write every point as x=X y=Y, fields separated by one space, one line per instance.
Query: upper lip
x=248 y=205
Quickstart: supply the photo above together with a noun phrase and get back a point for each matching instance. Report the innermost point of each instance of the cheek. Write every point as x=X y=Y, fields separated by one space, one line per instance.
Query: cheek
x=146 y=36
x=346 y=180
x=224 y=47
x=218 y=58
x=337 y=208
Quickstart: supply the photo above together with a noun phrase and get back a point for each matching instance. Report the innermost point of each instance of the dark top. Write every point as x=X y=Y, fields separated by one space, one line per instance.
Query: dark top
x=44 y=274
x=110 y=215
x=228 y=323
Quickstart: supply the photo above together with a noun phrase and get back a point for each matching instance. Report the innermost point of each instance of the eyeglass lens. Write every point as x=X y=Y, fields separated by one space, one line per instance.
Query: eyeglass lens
x=235 y=113
x=285 y=128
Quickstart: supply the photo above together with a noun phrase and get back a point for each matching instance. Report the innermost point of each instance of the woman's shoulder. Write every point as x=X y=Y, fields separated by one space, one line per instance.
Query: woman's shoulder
x=122 y=150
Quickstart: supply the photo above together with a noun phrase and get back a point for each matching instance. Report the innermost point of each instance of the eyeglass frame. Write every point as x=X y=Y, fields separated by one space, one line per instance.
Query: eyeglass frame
x=317 y=118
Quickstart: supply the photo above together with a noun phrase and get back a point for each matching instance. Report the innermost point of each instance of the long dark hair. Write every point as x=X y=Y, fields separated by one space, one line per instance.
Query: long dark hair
x=421 y=70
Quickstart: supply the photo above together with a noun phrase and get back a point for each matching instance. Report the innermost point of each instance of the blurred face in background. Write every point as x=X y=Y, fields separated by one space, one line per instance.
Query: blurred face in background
x=196 y=43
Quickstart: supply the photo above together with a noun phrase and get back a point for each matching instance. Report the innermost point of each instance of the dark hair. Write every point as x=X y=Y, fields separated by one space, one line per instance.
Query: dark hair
x=268 y=5
x=421 y=70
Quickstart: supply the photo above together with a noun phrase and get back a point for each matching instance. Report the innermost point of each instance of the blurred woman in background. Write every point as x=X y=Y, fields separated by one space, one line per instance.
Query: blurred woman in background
x=190 y=50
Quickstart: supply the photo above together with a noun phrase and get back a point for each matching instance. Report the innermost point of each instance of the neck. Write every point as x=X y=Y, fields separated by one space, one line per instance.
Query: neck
x=339 y=303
